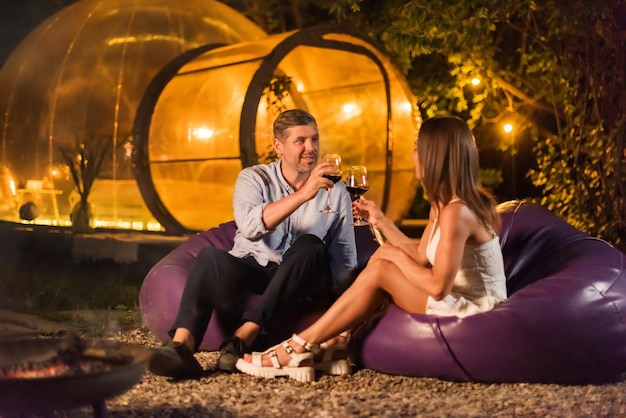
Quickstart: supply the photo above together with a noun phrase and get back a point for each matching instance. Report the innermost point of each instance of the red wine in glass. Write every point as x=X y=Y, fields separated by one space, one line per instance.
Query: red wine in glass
x=357 y=184
x=334 y=176
x=357 y=192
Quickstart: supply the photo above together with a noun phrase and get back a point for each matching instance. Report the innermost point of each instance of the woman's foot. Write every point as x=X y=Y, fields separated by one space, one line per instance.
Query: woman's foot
x=333 y=357
x=292 y=358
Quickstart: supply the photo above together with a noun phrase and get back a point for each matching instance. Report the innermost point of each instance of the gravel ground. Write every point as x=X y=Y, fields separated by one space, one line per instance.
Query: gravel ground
x=364 y=394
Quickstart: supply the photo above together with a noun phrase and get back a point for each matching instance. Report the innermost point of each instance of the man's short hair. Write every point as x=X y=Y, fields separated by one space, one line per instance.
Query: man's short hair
x=290 y=118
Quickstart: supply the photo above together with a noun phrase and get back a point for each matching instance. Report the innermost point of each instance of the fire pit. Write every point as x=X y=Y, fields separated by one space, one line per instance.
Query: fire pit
x=42 y=375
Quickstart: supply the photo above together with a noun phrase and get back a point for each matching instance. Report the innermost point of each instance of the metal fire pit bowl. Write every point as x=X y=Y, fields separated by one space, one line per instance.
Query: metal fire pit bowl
x=23 y=396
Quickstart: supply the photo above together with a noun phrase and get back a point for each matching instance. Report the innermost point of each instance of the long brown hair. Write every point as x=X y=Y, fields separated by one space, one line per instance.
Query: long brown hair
x=448 y=157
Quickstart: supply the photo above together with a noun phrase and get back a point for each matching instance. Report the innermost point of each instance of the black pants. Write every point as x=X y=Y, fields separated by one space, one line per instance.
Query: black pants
x=221 y=282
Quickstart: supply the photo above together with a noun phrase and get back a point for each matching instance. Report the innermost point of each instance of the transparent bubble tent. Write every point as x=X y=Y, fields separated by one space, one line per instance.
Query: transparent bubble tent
x=183 y=95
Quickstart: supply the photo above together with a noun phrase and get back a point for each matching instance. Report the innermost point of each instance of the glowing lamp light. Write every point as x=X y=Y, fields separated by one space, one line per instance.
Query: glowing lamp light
x=128 y=149
x=508 y=128
x=203 y=133
x=350 y=110
x=475 y=81
x=12 y=187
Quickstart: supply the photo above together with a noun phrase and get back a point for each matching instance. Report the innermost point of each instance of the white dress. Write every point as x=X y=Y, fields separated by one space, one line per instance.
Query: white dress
x=479 y=284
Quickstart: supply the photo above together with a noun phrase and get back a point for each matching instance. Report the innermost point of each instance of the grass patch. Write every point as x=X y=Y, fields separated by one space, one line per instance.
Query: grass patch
x=44 y=284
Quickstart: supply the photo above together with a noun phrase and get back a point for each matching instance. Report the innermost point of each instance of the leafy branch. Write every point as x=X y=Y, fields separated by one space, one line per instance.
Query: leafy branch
x=276 y=91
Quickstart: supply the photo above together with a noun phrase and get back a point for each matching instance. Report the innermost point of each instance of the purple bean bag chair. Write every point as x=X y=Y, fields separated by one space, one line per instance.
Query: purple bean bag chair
x=162 y=289
x=564 y=321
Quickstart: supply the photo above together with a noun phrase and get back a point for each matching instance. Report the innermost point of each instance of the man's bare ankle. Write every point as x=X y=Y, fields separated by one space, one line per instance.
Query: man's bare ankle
x=248 y=333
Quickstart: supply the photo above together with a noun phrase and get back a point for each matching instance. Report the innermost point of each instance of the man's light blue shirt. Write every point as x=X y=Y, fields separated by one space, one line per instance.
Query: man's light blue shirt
x=262 y=184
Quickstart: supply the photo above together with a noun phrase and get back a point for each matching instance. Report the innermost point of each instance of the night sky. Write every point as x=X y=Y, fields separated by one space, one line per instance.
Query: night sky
x=18 y=18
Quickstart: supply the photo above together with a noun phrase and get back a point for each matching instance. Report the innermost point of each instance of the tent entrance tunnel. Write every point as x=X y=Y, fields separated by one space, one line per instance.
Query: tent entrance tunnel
x=203 y=120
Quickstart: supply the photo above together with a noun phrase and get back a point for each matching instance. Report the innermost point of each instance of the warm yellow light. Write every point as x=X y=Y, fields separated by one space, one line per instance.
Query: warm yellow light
x=128 y=149
x=100 y=223
x=136 y=225
x=34 y=184
x=203 y=133
x=127 y=224
x=349 y=107
x=350 y=110
x=42 y=220
x=154 y=226
x=508 y=128
x=12 y=187
x=475 y=81
x=145 y=38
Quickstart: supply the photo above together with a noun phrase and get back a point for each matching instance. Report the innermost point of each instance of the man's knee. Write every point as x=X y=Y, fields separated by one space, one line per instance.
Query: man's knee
x=210 y=254
x=210 y=265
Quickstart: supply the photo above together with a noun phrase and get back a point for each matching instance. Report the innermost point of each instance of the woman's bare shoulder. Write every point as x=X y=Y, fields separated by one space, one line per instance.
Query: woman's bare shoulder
x=458 y=215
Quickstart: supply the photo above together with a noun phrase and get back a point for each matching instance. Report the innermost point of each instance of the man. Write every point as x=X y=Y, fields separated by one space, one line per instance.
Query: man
x=286 y=249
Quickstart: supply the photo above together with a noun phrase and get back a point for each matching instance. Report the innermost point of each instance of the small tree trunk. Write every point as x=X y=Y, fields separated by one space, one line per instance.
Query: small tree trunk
x=81 y=217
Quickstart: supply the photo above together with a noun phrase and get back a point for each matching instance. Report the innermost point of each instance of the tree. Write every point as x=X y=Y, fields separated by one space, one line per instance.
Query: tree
x=84 y=163
x=557 y=69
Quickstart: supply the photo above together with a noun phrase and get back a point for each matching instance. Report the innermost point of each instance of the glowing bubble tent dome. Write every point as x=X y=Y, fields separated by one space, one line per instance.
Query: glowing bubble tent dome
x=182 y=94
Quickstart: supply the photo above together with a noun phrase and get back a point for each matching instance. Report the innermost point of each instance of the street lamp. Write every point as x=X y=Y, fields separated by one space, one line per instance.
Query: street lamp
x=508 y=128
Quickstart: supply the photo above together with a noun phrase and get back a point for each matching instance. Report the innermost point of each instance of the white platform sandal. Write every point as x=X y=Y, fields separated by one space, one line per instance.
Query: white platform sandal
x=300 y=367
x=336 y=367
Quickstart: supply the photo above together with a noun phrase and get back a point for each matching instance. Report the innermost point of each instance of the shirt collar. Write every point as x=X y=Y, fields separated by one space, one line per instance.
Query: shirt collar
x=279 y=173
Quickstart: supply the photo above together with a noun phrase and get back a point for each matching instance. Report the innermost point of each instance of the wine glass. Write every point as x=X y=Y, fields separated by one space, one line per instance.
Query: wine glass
x=357 y=184
x=335 y=176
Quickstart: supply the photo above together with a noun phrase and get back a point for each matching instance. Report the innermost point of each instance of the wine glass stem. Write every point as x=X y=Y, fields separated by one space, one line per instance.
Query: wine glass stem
x=328 y=199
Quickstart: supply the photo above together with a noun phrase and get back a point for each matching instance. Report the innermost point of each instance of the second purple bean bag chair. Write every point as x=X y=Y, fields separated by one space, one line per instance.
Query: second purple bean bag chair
x=564 y=321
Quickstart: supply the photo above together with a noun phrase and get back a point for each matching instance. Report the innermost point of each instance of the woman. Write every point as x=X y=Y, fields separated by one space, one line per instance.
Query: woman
x=456 y=269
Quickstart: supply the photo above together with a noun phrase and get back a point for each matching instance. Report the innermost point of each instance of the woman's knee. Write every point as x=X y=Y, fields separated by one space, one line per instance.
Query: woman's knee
x=376 y=271
x=379 y=264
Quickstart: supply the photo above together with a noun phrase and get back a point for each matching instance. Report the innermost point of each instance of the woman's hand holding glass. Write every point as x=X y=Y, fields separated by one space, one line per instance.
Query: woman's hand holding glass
x=368 y=210
x=357 y=184
x=372 y=214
